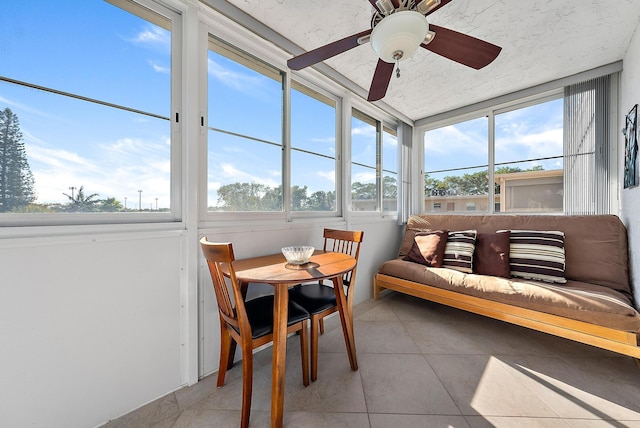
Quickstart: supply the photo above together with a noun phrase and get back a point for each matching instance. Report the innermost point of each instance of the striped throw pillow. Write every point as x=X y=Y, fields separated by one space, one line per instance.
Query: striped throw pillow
x=537 y=254
x=458 y=253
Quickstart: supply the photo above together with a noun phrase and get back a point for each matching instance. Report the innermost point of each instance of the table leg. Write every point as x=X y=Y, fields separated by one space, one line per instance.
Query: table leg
x=280 y=309
x=346 y=318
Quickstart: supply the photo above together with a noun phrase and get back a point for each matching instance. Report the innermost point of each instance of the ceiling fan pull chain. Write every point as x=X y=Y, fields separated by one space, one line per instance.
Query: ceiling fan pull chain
x=397 y=55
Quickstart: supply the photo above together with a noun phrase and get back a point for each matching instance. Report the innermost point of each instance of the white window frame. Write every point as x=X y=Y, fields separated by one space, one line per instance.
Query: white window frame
x=105 y=220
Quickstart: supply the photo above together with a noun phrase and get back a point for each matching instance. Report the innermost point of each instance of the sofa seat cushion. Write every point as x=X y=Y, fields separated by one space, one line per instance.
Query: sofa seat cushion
x=577 y=300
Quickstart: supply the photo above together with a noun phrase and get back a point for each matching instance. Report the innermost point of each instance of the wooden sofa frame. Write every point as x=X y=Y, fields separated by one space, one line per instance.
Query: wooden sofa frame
x=622 y=342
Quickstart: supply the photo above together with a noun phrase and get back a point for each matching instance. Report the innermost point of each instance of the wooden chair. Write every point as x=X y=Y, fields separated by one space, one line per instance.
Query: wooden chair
x=249 y=323
x=320 y=299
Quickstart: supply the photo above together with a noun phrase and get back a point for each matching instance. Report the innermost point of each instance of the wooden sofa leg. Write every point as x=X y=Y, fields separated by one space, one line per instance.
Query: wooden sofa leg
x=376 y=291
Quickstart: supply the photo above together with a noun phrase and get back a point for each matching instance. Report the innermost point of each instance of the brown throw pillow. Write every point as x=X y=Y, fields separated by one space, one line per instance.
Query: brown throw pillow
x=492 y=254
x=428 y=248
x=407 y=240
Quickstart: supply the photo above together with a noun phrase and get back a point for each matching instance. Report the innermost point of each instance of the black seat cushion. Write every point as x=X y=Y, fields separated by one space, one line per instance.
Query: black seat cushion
x=315 y=298
x=260 y=314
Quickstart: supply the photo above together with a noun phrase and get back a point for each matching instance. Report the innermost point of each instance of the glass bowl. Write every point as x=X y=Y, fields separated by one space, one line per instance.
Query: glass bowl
x=297 y=254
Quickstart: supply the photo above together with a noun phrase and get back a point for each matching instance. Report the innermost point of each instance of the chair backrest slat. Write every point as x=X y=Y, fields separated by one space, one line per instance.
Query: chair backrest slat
x=217 y=255
x=347 y=242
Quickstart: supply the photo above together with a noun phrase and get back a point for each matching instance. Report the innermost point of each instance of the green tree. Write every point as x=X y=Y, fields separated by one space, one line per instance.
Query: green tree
x=16 y=181
x=299 y=198
x=390 y=187
x=250 y=197
x=110 y=205
x=363 y=191
x=476 y=183
x=82 y=203
x=322 y=201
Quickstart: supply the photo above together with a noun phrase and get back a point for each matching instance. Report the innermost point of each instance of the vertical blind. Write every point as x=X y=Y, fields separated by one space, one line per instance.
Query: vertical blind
x=587 y=143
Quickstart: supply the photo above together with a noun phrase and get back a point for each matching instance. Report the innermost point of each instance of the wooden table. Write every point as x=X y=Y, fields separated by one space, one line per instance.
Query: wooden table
x=274 y=270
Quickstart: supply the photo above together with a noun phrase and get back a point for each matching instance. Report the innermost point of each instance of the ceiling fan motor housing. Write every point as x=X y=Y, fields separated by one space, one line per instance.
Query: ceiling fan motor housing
x=399 y=35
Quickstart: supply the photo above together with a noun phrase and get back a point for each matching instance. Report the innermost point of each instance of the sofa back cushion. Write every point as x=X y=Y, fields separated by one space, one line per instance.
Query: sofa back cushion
x=595 y=246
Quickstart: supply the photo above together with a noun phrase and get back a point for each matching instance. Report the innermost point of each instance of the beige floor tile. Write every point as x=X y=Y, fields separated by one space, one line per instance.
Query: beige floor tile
x=421 y=365
x=156 y=413
x=587 y=423
x=515 y=422
x=403 y=383
x=206 y=418
x=383 y=337
x=337 y=389
x=442 y=338
x=325 y=420
x=417 y=421
x=483 y=385
x=382 y=312
x=574 y=393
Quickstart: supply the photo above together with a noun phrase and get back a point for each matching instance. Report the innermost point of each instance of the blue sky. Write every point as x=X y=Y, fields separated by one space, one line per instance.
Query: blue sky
x=93 y=49
x=532 y=132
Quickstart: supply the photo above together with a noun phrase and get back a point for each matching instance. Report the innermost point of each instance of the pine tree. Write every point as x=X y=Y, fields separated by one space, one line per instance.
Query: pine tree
x=16 y=180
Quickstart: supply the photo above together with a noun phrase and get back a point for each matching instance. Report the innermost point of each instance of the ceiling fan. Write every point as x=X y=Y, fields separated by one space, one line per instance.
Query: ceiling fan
x=398 y=28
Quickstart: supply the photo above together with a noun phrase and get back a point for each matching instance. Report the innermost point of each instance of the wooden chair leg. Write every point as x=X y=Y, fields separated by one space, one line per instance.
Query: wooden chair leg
x=321 y=323
x=232 y=354
x=225 y=345
x=314 y=348
x=247 y=383
x=304 y=351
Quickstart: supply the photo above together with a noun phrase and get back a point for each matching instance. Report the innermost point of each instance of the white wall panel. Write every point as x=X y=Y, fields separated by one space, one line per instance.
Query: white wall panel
x=89 y=327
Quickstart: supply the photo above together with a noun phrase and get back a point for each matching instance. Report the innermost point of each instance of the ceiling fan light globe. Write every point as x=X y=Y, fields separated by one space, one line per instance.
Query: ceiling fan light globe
x=402 y=31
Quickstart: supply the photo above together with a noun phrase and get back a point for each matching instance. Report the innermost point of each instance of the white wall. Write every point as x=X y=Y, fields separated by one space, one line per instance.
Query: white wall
x=89 y=326
x=630 y=198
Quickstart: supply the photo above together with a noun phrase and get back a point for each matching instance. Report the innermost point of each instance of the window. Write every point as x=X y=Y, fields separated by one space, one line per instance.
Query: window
x=313 y=150
x=456 y=166
x=374 y=170
x=529 y=159
x=245 y=150
x=527 y=167
x=389 y=169
x=247 y=167
x=89 y=111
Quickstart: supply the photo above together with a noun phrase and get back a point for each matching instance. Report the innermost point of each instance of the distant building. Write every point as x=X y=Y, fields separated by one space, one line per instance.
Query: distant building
x=529 y=191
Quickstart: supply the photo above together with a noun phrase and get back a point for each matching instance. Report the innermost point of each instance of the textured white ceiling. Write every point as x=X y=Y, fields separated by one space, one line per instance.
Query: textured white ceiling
x=541 y=40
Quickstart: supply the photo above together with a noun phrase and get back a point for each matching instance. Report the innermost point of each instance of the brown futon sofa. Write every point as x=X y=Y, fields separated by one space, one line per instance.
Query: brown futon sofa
x=590 y=302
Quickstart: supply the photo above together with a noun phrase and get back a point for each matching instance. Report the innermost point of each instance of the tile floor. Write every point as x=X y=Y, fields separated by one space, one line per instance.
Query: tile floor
x=422 y=365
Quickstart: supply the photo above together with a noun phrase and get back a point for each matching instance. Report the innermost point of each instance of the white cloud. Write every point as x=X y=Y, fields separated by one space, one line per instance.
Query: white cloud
x=154 y=37
x=238 y=81
x=328 y=175
x=364 y=177
x=118 y=169
x=364 y=130
x=160 y=68
x=450 y=139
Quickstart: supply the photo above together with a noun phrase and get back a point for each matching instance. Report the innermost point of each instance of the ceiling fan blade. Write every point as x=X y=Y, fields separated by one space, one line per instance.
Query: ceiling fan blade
x=461 y=48
x=381 y=79
x=327 y=51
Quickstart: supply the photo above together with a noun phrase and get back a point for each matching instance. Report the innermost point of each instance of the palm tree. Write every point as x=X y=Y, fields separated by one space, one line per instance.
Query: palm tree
x=82 y=203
